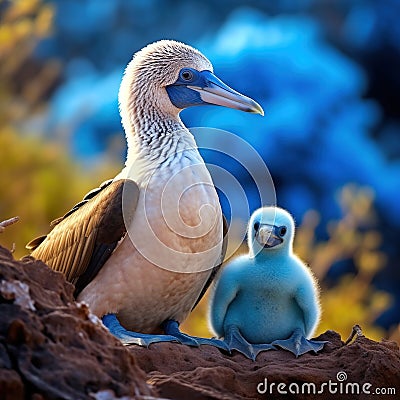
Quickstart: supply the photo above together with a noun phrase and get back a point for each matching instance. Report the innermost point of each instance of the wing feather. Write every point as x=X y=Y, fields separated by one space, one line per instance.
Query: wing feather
x=82 y=240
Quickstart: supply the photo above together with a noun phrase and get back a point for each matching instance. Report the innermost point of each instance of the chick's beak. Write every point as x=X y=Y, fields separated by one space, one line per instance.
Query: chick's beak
x=267 y=236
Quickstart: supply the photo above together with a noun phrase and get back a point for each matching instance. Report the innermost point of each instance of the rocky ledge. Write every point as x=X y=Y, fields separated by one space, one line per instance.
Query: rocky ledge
x=53 y=348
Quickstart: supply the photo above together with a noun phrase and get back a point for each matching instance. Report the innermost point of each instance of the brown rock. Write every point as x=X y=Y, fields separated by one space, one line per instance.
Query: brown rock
x=50 y=348
x=181 y=372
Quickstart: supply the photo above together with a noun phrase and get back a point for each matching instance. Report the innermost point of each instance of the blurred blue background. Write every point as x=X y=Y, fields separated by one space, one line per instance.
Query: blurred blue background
x=325 y=71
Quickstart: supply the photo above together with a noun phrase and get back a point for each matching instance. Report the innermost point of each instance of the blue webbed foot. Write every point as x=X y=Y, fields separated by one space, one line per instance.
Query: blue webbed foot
x=236 y=341
x=298 y=344
x=171 y=328
x=129 y=337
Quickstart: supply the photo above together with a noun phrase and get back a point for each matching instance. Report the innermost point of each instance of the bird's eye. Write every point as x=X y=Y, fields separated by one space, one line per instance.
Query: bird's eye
x=282 y=231
x=256 y=226
x=187 y=75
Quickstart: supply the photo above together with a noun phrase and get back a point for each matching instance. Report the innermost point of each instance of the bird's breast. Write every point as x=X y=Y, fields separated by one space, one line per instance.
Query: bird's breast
x=179 y=211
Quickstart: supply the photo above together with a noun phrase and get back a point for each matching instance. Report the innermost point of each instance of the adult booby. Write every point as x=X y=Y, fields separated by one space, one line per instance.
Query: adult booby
x=269 y=297
x=142 y=248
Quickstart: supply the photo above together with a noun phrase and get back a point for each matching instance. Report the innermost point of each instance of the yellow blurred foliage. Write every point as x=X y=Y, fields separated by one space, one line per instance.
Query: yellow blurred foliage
x=38 y=180
x=353 y=238
x=24 y=82
x=23 y=22
x=39 y=183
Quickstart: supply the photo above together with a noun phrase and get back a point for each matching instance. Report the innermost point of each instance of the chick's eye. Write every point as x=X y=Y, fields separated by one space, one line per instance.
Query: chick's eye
x=282 y=231
x=187 y=75
x=256 y=226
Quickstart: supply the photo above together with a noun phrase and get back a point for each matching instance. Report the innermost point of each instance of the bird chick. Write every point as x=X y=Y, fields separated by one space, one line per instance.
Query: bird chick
x=268 y=297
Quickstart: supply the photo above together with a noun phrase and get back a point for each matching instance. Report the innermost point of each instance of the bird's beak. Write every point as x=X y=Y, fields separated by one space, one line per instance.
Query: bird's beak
x=267 y=236
x=214 y=91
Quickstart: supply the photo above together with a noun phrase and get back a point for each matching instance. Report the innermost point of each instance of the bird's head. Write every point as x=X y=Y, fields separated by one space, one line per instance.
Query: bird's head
x=171 y=76
x=270 y=229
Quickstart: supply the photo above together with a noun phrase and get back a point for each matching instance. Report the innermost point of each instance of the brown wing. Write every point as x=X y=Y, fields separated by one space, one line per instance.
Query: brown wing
x=83 y=239
x=216 y=268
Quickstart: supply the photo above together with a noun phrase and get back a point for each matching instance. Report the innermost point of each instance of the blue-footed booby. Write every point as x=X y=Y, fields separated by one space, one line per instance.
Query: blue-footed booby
x=143 y=248
x=268 y=297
